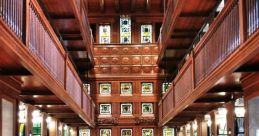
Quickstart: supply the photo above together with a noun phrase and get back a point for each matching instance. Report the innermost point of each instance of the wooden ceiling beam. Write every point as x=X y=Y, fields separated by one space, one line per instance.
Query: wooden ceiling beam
x=186 y=30
x=14 y=72
x=40 y=102
x=148 y=3
x=248 y=68
x=63 y=16
x=182 y=36
x=195 y=14
x=117 y=5
x=71 y=121
x=178 y=47
x=71 y=48
x=36 y=92
x=102 y=5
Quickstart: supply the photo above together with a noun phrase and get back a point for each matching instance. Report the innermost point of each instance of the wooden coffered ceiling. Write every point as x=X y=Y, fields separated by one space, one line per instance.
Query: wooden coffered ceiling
x=101 y=8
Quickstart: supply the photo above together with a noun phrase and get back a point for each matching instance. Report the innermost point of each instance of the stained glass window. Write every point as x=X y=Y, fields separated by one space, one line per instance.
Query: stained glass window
x=146 y=33
x=105 y=34
x=125 y=29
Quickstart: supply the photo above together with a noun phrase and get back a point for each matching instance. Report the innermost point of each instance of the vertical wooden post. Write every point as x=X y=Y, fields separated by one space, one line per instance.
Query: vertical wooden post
x=28 y=126
x=213 y=123
x=242 y=21
x=230 y=118
x=44 y=127
x=27 y=22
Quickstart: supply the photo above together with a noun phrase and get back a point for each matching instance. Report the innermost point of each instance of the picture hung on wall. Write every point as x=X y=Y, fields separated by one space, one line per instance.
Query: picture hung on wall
x=105 y=109
x=126 y=132
x=126 y=88
x=147 y=108
x=126 y=108
x=105 y=132
x=147 y=88
x=105 y=88
x=147 y=132
x=165 y=87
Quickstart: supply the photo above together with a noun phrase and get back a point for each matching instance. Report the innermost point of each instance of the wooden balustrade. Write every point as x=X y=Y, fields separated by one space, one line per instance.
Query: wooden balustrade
x=183 y=83
x=222 y=40
x=73 y=83
x=252 y=16
x=216 y=45
x=168 y=101
x=44 y=45
x=12 y=13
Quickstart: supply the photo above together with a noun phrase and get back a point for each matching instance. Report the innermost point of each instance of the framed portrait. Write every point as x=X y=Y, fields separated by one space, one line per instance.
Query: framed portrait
x=146 y=88
x=126 y=108
x=105 y=88
x=126 y=132
x=165 y=87
x=126 y=88
x=147 y=132
x=147 y=108
x=105 y=132
x=105 y=109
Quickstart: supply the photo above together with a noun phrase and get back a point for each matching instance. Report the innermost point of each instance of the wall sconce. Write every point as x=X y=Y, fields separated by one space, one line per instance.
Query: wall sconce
x=60 y=128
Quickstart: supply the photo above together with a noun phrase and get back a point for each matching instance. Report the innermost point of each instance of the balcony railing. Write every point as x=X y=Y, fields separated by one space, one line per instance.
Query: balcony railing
x=220 y=42
x=11 y=11
x=252 y=16
x=44 y=45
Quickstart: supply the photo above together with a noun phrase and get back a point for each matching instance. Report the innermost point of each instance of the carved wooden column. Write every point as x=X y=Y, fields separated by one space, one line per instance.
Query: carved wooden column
x=230 y=118
x=28 y=126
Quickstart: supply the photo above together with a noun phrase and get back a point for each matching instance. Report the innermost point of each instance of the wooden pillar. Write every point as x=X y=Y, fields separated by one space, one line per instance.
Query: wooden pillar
x=231 y=118
x=202 y=126
x=28 y=126
x=44 y=127
x=213 y=123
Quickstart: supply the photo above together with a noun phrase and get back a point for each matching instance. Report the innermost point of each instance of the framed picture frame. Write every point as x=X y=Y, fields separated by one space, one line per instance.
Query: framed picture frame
x=146 y=88
x=126 y=132
x=126 y=108
x=126 y=88
x=105 y=132
x=147 y=132
x=105 y=109
x=147 y=108
x=105 y=88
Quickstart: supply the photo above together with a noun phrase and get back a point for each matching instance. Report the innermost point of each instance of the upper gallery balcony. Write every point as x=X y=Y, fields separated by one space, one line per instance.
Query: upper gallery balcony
x=35 y=53
x=216 y=63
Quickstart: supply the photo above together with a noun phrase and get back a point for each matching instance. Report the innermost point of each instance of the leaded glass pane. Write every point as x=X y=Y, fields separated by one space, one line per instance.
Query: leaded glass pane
x=105 y=34
x=125 y=29
x=146 y=33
